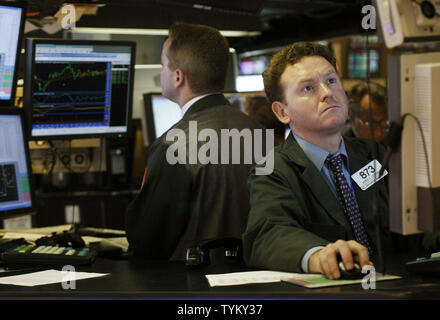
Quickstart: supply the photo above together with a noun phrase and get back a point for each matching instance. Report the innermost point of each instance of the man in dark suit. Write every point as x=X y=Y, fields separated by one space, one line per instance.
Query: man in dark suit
x=310 y=210
x=189 y=196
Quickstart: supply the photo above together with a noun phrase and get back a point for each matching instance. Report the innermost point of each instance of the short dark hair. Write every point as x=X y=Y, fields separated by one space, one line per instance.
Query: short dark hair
x=260 y=109
x=378 y=94
x=289 y=56
x=203 y=55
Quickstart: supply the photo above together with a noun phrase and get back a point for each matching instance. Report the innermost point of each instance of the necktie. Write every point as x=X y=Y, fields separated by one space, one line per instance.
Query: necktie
x=348 y=200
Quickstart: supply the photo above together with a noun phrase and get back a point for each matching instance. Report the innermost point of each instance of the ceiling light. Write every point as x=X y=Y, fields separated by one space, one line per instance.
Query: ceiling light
x=155 y=32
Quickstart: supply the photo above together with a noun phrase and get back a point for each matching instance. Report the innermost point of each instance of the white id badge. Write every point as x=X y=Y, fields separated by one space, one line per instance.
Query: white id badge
x=368 y=175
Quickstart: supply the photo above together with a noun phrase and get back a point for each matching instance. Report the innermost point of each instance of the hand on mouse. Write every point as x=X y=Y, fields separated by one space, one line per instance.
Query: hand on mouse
x=325 y=261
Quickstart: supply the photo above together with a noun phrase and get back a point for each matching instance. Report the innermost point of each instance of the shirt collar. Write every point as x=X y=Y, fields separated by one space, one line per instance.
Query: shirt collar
x=187 y=105
x=316 y=154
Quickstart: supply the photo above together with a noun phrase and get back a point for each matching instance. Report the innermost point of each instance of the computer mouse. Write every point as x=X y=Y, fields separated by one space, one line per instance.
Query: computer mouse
x=355 y=273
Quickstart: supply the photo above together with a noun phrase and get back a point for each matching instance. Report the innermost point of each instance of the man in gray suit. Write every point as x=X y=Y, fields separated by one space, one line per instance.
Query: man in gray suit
x=310 y=210
x=190 y=195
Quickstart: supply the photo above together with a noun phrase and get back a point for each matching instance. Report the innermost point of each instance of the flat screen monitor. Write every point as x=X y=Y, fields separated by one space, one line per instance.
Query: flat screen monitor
x=78 y=88
x=16 y=186
x=357 y=63
x=12 y=16
x=161 y=113
x=414 y=177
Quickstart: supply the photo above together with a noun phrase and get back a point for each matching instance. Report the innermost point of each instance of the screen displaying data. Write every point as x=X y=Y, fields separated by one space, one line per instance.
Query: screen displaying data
x=80 y=89
x=15 y=186
x=10 y=35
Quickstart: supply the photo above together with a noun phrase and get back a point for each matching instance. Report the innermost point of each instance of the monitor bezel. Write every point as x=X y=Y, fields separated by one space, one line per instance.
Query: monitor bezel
x=31 y=210
x=23 y=6
x=27 y=93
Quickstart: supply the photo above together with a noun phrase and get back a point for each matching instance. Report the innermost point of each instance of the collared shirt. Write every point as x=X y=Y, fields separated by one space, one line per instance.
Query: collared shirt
x=187 y=105
x=317 y=156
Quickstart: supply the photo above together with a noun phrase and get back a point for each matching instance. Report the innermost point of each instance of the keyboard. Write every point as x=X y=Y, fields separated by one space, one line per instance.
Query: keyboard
x=50 y=256
x=425 y=265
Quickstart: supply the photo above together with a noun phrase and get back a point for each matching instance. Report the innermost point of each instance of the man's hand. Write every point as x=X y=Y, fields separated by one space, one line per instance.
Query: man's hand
x=325 y=261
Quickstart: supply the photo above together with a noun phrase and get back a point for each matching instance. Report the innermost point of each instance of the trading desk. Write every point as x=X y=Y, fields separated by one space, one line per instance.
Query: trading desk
x=135 y=279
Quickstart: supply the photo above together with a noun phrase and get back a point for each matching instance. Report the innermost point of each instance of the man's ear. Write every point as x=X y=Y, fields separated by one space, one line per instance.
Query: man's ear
x=279 y=109
x=179 y=77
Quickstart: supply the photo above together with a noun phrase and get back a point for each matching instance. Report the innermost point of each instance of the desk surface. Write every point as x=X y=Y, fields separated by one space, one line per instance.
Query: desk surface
x=172 y=280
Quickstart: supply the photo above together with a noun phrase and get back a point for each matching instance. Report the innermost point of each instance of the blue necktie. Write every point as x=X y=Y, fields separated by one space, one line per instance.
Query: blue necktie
x=348 y=200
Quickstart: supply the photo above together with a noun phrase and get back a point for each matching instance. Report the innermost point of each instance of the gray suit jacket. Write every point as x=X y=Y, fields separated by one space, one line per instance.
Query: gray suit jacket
x=294 y=209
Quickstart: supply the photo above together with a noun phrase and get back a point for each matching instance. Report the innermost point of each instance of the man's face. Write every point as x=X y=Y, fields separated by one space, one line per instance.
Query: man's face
x=315 y=101
x=362 y=123
x=166 y=75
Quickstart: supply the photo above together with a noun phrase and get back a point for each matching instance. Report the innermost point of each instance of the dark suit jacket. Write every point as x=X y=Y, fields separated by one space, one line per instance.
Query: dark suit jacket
x=294 y=209
x=182 y=205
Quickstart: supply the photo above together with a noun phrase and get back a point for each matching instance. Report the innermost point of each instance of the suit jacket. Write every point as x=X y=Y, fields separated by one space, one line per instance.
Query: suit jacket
x=294 y=209
x=182 y=205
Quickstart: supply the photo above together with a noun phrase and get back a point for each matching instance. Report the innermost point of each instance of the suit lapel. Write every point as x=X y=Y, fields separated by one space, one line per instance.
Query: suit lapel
x=315 y=181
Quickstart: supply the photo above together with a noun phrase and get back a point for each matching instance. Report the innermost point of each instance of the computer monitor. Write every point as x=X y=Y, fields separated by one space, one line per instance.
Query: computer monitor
x=16 y=184
x=161 y=113
x=357 y=63
x=78 y=88
x=250 y=82
x=413 y=89
x=12 y=16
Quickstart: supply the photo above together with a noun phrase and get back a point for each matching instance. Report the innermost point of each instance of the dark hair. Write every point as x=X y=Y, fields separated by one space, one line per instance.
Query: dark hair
x=259 y=108
x=289 y=56
x=203 y=55
x=378 y=94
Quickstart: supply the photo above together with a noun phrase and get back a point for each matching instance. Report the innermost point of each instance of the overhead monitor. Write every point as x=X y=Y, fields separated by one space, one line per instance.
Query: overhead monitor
x=414 y=195
x=408 y=21
x=78 y=88
x=251 y=82
x=161 y=113
x=357 y=63
x=12 y=16
x=16 y=186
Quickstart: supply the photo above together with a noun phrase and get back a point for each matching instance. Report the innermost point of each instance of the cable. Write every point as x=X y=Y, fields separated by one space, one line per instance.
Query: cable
x=377 y=217
x=425 y=151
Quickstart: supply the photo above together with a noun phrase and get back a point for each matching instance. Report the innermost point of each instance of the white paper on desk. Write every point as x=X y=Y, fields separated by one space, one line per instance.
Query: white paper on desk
x=26 y=236
x=47 y=277
x=239 y=278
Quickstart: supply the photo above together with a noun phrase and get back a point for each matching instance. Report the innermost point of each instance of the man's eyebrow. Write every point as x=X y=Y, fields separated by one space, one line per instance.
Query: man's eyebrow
x=311 y=79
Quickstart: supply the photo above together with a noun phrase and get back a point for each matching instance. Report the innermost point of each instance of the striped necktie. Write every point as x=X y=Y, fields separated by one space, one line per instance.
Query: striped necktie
x=348 y=201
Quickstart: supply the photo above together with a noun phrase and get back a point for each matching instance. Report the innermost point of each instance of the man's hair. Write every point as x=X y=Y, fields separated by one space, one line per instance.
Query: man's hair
x=378 y=94
x=203 y=55
x=259 y=108
x=289 y=56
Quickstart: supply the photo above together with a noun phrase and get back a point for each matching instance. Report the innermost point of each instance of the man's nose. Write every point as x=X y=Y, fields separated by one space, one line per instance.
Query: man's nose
x=325 y=92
